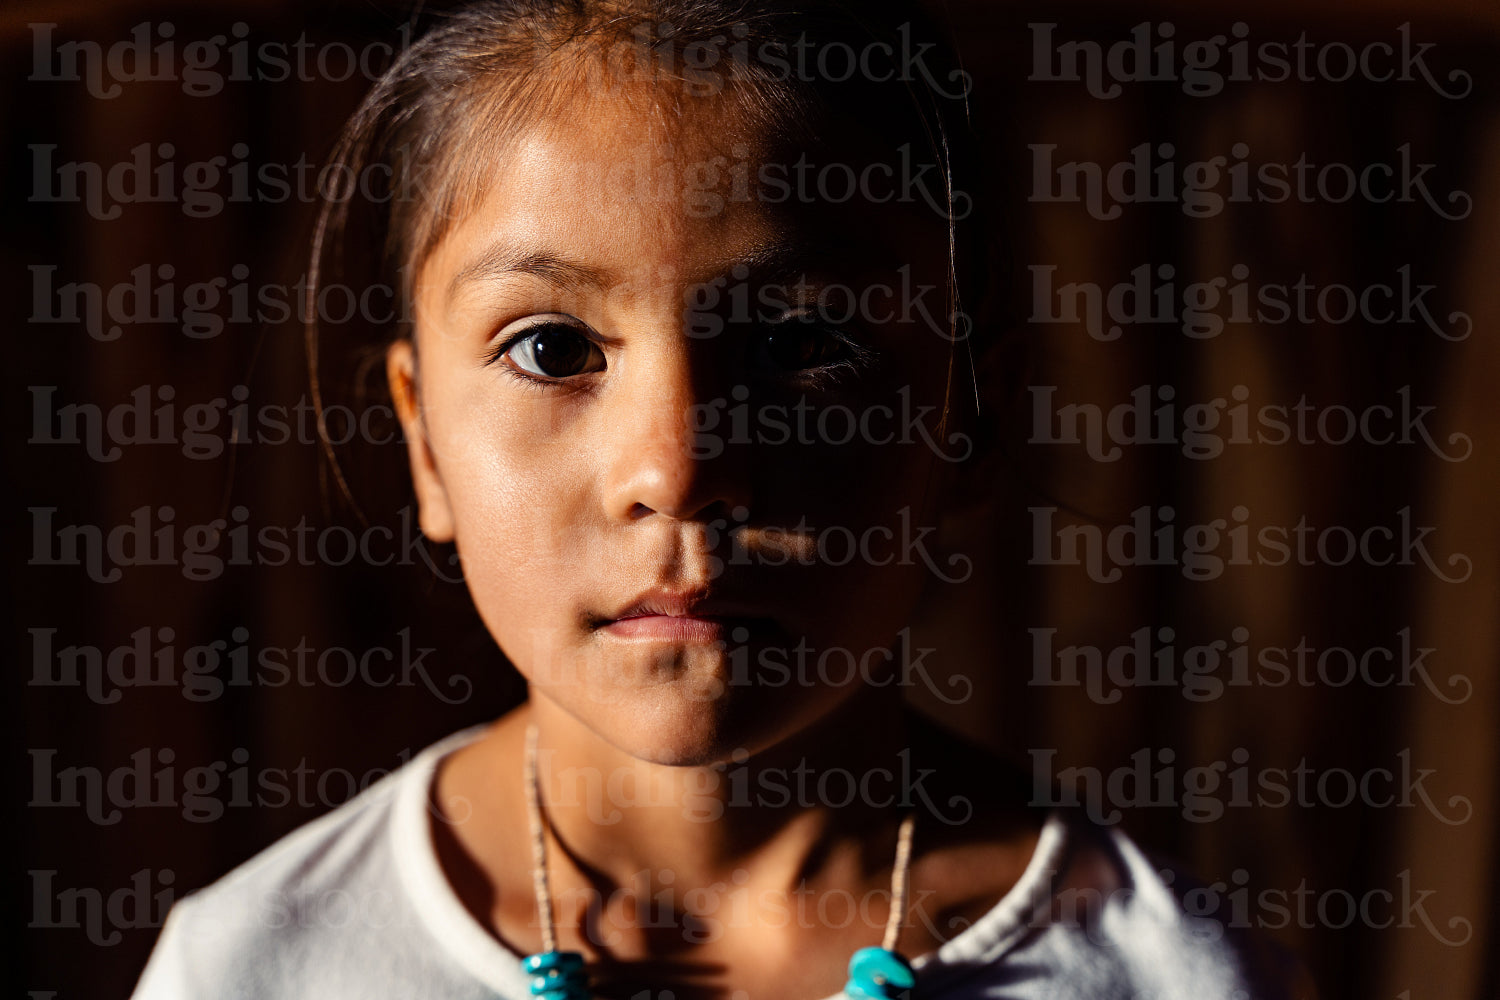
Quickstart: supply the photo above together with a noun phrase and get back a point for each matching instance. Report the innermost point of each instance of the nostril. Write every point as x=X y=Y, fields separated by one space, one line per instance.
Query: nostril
x=638 y=511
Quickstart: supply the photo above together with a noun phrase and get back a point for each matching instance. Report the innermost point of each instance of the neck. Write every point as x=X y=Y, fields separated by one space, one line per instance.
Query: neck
x=824 y=803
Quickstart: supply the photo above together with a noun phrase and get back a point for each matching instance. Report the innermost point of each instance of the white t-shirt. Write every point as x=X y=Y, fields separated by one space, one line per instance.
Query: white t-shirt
x=354 y=906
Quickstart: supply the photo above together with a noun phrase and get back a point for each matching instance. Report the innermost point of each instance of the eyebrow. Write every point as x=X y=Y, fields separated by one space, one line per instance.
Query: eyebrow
x=775 y=259
x=503 y=259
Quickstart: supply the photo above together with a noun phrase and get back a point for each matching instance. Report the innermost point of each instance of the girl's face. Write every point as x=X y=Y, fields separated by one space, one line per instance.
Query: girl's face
x=691 y=493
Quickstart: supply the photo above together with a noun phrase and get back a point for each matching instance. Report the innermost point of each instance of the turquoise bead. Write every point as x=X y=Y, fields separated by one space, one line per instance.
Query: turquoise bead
x=877 y=974
x=557 y=975
x=544 y=961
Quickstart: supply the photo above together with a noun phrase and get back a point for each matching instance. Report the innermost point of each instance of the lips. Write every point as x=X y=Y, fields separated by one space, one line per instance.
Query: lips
x=682 y=617
x=672 y=628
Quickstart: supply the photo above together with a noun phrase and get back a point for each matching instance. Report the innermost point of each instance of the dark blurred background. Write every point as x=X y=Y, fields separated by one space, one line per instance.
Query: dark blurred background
x=182 y=696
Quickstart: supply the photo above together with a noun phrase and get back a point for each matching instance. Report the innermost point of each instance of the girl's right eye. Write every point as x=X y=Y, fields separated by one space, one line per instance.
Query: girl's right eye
x=550 y=350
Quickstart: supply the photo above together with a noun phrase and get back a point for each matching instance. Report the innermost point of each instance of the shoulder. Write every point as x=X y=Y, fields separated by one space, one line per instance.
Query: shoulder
x=1096 y=916
x=330 y=887
x=1082 y=909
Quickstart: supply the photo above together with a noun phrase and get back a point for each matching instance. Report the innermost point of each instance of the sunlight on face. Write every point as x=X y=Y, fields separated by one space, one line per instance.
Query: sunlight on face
x=683 y=495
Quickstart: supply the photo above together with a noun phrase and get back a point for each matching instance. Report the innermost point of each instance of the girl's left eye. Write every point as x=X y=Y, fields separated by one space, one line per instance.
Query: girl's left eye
x=799 y=344
x=552 y=350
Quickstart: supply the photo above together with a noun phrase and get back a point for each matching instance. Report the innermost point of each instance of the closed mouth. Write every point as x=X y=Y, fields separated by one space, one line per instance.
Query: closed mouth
x=682 y=616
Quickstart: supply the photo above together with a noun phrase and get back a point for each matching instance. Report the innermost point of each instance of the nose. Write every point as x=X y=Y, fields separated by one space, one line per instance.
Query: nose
x=667 y=452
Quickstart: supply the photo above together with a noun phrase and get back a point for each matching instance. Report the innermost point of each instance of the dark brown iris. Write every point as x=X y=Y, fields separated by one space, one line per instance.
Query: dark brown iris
x=799 y=345
x=561 y=351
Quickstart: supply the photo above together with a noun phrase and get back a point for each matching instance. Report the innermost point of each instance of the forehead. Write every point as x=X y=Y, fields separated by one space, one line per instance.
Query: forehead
x=645 y=183
x=630 y=181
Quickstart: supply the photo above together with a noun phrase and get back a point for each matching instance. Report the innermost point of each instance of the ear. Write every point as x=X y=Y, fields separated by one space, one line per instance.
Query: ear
x=434 y=513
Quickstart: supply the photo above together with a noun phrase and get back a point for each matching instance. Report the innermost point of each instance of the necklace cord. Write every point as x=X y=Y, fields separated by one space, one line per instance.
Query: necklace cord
x=900 y=879
x=539 y=884
x=900 y=875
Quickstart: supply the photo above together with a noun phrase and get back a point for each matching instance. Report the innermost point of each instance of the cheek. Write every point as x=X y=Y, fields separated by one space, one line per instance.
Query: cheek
x=522 y=499
x=874 y=502
x=868 y=455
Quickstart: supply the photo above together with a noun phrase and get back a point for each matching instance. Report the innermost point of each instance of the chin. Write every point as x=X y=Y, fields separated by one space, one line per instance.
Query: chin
x=685 y=705
x=680 y=729
x=691 y=723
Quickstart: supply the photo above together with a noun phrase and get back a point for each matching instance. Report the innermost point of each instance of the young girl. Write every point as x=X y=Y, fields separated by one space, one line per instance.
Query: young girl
x=679 y=375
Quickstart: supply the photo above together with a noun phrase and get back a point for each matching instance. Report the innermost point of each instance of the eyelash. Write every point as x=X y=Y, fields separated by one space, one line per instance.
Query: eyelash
x=859 y=359
x=530 y=381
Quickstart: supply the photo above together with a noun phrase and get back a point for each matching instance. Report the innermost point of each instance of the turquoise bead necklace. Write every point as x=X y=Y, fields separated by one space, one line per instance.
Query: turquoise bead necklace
x=874 y=973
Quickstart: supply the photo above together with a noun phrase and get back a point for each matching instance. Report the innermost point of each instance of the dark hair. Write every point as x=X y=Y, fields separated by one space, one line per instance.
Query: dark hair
x=486 y=69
